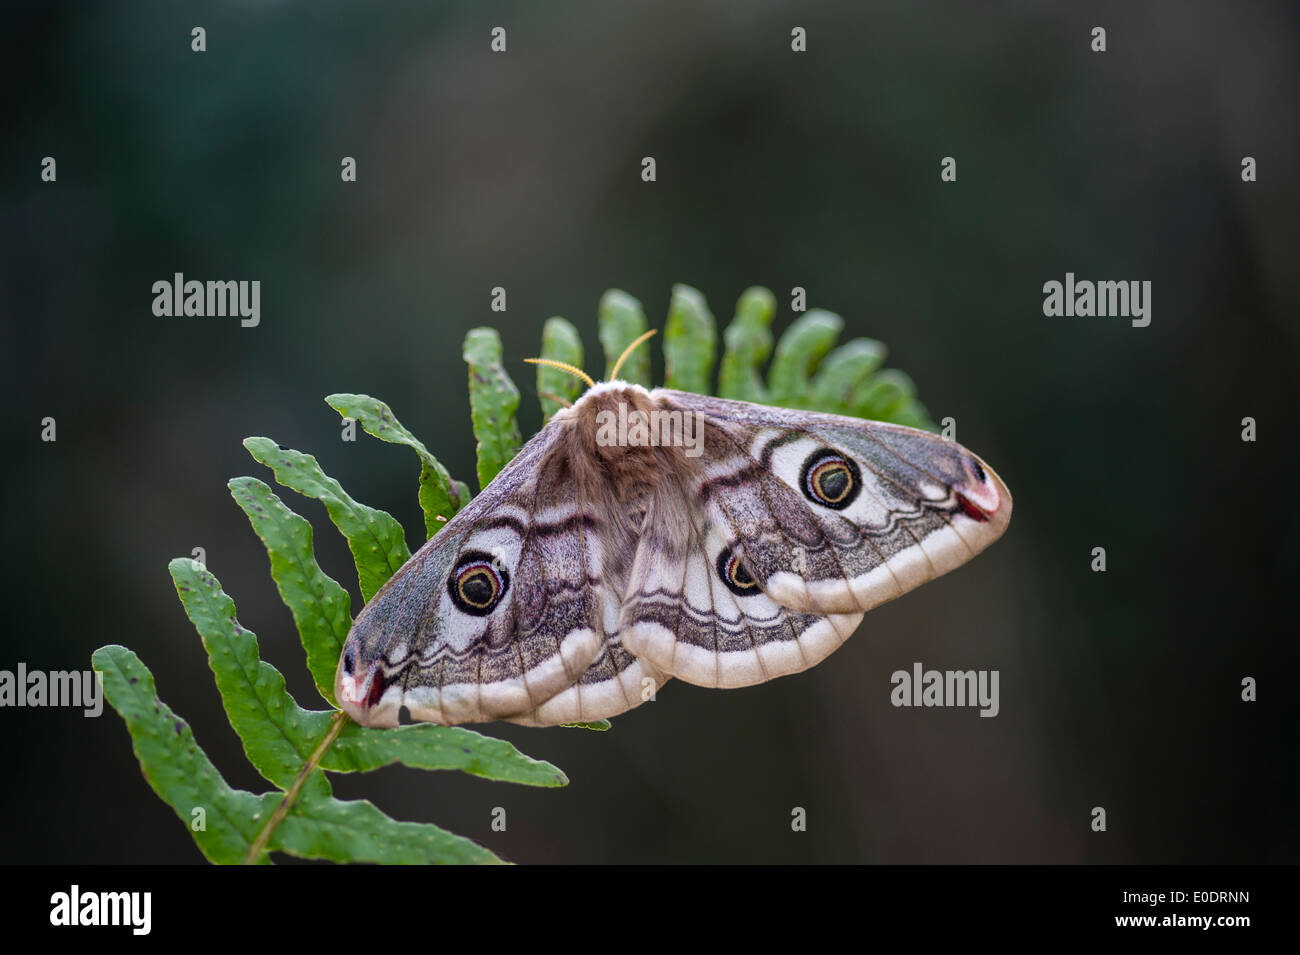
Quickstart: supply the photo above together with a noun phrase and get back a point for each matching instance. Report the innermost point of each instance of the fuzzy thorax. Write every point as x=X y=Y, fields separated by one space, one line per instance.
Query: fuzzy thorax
x=601 y=454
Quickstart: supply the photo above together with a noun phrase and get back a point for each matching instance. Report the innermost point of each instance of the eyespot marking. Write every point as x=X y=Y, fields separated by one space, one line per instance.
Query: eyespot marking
x=477 y=583
x=735 y=575
x=830 y=479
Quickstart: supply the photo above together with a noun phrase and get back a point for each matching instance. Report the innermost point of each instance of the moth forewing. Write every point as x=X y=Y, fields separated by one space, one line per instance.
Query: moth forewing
x=837 y=515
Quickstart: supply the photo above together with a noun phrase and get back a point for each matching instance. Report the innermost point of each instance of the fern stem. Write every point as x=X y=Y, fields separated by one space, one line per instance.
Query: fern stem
x=259 y=844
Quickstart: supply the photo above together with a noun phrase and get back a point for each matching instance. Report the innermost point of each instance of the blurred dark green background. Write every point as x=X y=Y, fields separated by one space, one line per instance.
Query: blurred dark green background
x=819 y=170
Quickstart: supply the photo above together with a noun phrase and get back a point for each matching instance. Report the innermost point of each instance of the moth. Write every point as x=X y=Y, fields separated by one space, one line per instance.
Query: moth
x=720 y=542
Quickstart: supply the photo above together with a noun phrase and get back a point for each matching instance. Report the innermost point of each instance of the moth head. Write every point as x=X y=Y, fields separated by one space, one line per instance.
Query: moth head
x=579 y=373
x=620 y=439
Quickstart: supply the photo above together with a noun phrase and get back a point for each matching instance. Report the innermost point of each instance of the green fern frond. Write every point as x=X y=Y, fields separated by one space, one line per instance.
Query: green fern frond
x=294 y=747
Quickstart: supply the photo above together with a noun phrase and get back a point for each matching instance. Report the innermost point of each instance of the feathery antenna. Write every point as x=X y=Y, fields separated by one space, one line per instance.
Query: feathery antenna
x=563 y=366
x=627 y=351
